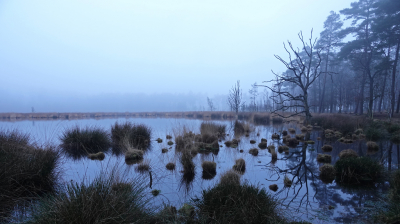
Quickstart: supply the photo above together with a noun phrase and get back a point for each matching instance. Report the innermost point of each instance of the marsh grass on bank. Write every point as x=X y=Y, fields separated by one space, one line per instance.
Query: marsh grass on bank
x=27 y=170
x=107 y=199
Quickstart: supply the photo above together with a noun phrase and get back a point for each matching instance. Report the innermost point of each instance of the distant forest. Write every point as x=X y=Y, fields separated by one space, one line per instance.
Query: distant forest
x=358 y=64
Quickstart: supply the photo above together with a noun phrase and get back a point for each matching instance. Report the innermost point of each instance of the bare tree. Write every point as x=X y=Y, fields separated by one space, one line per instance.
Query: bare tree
x=303 y=69
x=254 y=93
x=235 y=98
x=210 y=103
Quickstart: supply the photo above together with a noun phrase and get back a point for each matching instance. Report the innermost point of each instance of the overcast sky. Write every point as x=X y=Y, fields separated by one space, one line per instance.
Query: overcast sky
x=86 y=48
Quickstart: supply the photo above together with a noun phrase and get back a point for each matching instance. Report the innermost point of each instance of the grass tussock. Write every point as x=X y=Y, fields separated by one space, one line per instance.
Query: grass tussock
x=348 y=153
x=78 y=142
x=26 y=171
x=283 y=148
x=292 y=142
x=359 y=170
x=133 y=156
x=292 y=130
x=97 y=156
x=209 y=170
x=327 y=173
x=327 y=148
x=287 y=182
x=135 y=135
x=392 y=212
x=230 y=178
x=240 y=165
x=372 y=147
x=253 y=142
x=262 y=145
x=273 y=187
x=187 y=163
x=104 y=200
x=344 y=123
x=324 y=158
x=237 y=204
x=143 y=167
x=275 y=136
x=170 y=166
x=212 y=128
x=253 y=151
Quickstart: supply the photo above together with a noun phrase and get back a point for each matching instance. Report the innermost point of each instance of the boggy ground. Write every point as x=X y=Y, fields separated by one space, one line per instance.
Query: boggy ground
x=296 y=164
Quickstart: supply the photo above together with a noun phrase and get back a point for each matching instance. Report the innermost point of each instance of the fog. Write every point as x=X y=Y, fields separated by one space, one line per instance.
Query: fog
x=84 y=56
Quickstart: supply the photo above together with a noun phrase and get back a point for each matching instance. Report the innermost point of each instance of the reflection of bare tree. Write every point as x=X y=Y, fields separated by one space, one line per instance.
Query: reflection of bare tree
x=302 y=170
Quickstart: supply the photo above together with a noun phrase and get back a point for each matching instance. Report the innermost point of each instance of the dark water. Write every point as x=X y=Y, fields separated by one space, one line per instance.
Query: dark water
x=308 y=199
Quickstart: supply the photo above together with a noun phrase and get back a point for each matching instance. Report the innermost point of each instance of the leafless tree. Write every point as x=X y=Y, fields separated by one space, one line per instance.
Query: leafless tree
x=235 y=98
x=303 y=69
x=210 y=103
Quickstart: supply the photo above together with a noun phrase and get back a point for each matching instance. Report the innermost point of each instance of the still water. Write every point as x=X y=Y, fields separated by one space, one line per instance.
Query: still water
x=307 y=199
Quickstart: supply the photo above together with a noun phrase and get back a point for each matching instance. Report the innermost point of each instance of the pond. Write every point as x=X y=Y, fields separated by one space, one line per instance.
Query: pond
x=308 y=199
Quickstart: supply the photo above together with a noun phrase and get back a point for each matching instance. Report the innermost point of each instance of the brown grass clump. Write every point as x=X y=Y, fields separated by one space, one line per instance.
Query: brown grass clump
x=240 y=165
x=168 y=137
x=300 y=137
x=372 y=147
x=143 y=166
x=209 y=169
x=275 y=136
x=133 y=156
x=348 y=153
x=319 y=138
x=263 y=140
x=327 y=173
x=337 y=134
x=271 y=147
x=324 y=158
x=284 y=133
x=253 y=151
x=283 y=148
x=303 y=129
x=274 y=156
x=170 y=166
x=262 y=145
x=164 y=150
x=97 y=156
x=292 y=142
x=292 y=130
x=170 y=143
x=273 y=187
x=159 y=140
x=229 y=178
x=287 y=182
x=228 y=143
x=253 y=142
x=327 y=148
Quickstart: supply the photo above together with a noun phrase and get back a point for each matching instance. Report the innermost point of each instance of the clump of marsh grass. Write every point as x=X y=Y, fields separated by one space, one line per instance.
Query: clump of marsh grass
x=209 y=170
x=287 y=182
x=283 y=148
x=143 y=167
x=159 y=140
x=327 y=148
x=292 y=130
x=170 y=142
x=77 y=142
x=155 y=192
x=238 y=128
x=168 y=137
x=187 y=163
x=229 y=178
x=357 y=170
x=348 y=153
x=303 y=129
x=135 y=135
x=164 y=150
x=240 y=165
x=253 y=151
x=263 y=140
x=27 y=170
x=372 y=147
x=170 y=166
x=99 y=201
x=262 y=145
x=284 y=133
x=253 y=142
x=275 y=136
x=273 y=187
x=292 y=142
x=133 y=156
x=274 y=155
x=212 y=128
x=327 y=173
x=300 y=137
x=324 y=158
x=97 y=156
x=236 y=203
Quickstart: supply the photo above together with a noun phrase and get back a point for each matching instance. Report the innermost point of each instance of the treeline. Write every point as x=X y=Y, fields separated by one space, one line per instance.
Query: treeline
x=359 y=67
